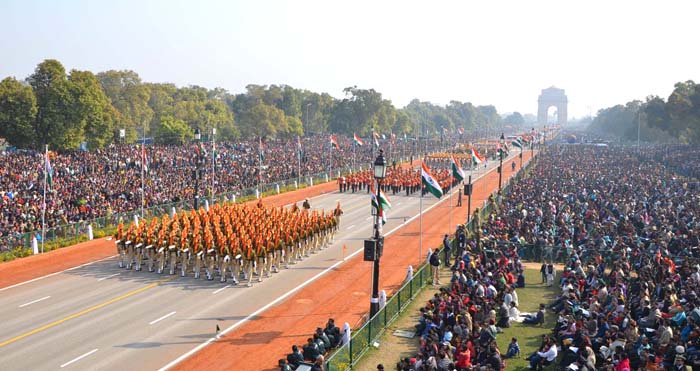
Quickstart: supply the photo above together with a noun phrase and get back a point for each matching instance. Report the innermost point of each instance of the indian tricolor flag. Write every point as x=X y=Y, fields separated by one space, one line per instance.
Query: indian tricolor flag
x=384 y=200
x=357 y=140
x=460 y=130
x=378 y=204
x=49 y=171
x=476 y=159
x=516 y=143
x=430 y=183
x=375 y=135
x=457 y=171
x=334 y=142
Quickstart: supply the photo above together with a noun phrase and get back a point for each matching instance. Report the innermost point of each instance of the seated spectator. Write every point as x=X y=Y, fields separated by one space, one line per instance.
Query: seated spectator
x=537 y=319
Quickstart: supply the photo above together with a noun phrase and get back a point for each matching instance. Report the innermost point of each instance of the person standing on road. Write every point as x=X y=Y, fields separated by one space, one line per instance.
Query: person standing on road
x=459 y=198
x=435 y=267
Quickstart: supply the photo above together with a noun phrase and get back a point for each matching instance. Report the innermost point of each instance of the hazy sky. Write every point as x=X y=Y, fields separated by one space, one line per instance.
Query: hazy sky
x=486 y=52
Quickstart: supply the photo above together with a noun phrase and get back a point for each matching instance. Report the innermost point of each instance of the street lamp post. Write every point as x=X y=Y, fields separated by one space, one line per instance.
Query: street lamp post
x=379 y=175
x=197 y=138
x=500 y=166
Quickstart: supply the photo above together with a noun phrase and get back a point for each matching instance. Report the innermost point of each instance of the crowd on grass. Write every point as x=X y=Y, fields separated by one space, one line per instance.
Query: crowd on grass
x=628 y=228
x=90 y=184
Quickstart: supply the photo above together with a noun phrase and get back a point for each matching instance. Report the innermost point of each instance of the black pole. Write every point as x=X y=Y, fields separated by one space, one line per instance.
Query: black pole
x=521 y=158
x=196 y=175
x=500 y=169
x=374 y=302
x=469 y=200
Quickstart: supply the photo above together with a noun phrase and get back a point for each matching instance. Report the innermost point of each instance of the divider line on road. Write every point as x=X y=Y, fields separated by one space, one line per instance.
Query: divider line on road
x=161 y=318
x=84 y=311
x=55 y=273
x=294 y=290
x=110 y=276
x=350 y=227
x=78 y=358
x=34 y=301
x=221 y=289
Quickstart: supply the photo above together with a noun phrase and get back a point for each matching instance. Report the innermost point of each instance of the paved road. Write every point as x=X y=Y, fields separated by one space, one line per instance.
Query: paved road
x=101 y=317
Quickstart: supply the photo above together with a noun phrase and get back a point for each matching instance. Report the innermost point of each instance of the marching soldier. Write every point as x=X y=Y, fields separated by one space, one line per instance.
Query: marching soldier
x=120 y=242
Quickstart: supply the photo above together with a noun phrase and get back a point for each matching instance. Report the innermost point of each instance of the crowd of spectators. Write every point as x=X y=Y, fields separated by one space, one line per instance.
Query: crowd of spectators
x=628 y=229
x=323 y=341
x=92 y=184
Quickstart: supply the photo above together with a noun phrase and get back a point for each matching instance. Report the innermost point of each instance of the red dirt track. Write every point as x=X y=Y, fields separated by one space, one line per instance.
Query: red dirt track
x=342 y=294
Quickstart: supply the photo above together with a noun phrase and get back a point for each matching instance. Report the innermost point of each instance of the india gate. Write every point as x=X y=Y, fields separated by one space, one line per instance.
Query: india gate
x=552 y=97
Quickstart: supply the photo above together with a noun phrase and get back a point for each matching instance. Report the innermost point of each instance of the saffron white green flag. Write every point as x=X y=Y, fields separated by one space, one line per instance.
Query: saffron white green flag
x=377 y=205
x=384 y=200
x=516 y=143
x=357 y=140
x=457 y=171
x=476 y=159
x=430 y=183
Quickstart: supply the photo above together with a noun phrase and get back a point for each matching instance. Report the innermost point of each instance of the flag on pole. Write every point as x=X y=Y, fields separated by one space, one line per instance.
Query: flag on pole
x=384 y=200
x=49 y=171
x=334 y=142
x=144 y=159
x=377 y=205
x=393 y=138
x=261 y=154
x=516 y=143
x=476 y=159
x=460 y=130
x=457 y=171
x=357 y=140
x=300 y=153
x=430 y=183
x=376 y=138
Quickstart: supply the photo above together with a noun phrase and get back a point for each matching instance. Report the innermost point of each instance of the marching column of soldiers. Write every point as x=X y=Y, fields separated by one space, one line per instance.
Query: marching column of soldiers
x=397 y=181
x=240 y=241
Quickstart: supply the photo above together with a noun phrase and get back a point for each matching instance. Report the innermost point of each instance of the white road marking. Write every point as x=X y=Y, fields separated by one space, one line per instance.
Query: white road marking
x=221 y=289
x=34 y=301
x=161 y=318
x=369 y=217
x=288 y=293
x=53 y=274
x=110 y=276
x=79 y=358
x=350 y=227
x=398 y=203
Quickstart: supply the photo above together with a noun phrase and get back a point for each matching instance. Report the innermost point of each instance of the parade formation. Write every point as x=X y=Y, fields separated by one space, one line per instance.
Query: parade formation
x=241 y=241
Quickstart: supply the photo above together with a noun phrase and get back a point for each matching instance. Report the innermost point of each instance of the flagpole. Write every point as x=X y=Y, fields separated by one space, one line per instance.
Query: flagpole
x=353 y=153
x=259 y=165
x=450 y=226
x=420 y=213
x=298 y=160
x=143 y=164
x=43 y=208
x=213 y=163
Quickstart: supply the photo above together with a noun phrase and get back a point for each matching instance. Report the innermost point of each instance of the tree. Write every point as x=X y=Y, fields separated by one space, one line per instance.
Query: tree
x=263 y=120
x=55 y=123
x=131 y=98
x=514 y=119
x=172 y=131
x=18 y=111
x=94 y=109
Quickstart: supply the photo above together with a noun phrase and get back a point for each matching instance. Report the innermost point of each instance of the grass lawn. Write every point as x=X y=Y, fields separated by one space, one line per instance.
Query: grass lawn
x=392 y=348
x=529 y=336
